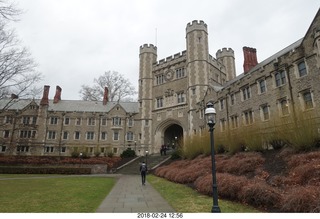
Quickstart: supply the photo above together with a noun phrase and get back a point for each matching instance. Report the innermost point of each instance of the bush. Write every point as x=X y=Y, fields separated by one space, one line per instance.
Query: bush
x=128 y=153
x=260 y=195
x=302 y=199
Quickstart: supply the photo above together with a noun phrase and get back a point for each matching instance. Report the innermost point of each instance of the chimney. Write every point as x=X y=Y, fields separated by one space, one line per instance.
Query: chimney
x=250 y=58
x=105 y=96
x=45 y=97
x=57 y=96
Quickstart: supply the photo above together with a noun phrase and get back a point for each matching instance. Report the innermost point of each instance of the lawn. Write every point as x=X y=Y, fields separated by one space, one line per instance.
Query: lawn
x=187 y=200
x=53 y=194
x=75 y=194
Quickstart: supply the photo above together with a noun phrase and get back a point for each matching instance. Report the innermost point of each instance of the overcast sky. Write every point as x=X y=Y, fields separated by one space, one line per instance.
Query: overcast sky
x=75 y=41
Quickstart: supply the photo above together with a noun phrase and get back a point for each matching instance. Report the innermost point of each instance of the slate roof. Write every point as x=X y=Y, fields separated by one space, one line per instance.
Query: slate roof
x=73 y=105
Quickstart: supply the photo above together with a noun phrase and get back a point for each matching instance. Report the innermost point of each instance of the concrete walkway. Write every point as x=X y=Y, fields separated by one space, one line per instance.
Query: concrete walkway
x=129 y=196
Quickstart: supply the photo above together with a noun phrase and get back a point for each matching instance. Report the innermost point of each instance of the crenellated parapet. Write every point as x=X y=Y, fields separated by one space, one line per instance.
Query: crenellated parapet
x=224 y=52
x=178 y=57
x=148 y=48
x=196 y=25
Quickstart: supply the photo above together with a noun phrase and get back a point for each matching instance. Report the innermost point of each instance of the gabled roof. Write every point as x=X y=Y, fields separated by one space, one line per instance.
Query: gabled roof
x=73 y=105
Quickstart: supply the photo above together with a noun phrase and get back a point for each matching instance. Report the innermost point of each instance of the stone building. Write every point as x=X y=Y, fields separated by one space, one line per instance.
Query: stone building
x=173 y=93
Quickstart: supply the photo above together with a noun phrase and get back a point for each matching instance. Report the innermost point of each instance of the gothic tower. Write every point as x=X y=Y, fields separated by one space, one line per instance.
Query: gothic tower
x=197 y=68
x=147 y=56
x=226 y=57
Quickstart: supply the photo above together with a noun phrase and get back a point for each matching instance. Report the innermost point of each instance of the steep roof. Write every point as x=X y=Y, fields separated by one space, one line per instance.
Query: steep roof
x=72 y=105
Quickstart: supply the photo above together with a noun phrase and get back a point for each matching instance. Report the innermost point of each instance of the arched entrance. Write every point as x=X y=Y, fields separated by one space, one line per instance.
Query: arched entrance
x=173 y=136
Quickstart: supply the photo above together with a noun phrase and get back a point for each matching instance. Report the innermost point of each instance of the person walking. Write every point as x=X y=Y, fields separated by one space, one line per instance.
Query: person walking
x=143 y=172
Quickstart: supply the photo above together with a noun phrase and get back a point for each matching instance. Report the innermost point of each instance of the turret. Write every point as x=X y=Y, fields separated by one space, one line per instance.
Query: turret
x=226 y=57
x=197 y=68
x=147 y=56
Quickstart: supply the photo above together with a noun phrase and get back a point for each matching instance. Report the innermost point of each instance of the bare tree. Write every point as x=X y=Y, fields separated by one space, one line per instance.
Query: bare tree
x=119 y=88
x=9 y=11
x=18 y=74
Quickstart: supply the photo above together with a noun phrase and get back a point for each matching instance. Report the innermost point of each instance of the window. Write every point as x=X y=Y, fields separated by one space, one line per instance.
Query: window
x=265 y=112
x=26 y=120
x=159 y=102
x=129 y=136
x=248 y=117
x=146 y=122
x=90 y=136
x=78 y=121
x=307 y=98
x=104 y=121
x=66 y=120
x=159 y=79
x=180 y=97
x=180 y=73
x=27 y=134
x=223 y=124
x=116 y=135
x=234 y=122
x=63 y=149
x=246 y=93
x=6 y=133
x=262 y=86
x=130 y=122
x=34 y=120
x=284 y=107
x=23 y=149
x=49 y=149
x=193 y=91
x=232 y=99
x=3 y=148
x=116 y=121
x=91 y=121
x=280 y=78
x=65 y=135
x=302 y=69
x=53 y=120
x=221 y=104
x=103 y=135
x=77 y=135
x=51 y=135
x=8 y=120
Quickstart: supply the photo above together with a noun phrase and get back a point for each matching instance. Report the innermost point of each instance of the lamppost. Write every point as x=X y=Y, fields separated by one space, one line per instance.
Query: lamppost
x=135 y=146
x=146 y=158
x=210 y=114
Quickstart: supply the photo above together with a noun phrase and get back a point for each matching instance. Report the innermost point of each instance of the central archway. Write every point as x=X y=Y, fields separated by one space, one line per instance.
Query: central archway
x=169 y=133
x=173 y=135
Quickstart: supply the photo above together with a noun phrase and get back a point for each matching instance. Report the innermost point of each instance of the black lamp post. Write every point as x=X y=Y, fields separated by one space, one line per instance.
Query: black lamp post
x=146 y=158
x=210 y=114
x=135 y=147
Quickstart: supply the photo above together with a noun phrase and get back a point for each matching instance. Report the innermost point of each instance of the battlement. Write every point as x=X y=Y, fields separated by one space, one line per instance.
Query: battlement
x=224 y=52
x=172 y=58
x=196 y=25
x=148 y=48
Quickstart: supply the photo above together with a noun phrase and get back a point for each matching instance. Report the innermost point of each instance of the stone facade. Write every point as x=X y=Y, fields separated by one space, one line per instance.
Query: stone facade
x=173 y=93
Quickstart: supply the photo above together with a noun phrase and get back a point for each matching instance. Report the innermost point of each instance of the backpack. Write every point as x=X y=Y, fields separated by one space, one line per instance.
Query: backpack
x=143 y=168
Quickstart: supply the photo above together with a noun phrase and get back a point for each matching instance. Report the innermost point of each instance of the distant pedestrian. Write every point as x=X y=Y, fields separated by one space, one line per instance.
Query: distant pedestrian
x=143 y=172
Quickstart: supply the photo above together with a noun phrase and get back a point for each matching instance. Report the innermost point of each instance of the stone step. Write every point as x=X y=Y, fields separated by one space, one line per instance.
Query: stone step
x=133 y=166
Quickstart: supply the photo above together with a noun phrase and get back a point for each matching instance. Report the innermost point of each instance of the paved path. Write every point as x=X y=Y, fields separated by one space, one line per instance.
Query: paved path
x=129 y=196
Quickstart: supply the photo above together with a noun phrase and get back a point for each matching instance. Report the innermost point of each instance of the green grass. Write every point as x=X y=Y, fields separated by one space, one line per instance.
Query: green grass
x=21 y=193
x=53 y=195
x=186 y=200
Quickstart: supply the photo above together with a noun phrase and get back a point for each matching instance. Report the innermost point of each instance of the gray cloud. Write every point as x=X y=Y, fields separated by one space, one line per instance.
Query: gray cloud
x=75 y=41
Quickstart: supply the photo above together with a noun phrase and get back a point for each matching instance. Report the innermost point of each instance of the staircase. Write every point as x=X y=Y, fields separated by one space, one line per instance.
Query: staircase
x=133 y=166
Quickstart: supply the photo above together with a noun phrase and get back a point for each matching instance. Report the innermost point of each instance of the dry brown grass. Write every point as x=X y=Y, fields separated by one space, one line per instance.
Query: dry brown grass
x=250 y=177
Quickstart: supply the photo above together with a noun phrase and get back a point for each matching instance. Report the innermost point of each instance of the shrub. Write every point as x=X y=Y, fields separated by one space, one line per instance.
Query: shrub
x=301 y=199
x=75 y=154
x=230 y=186
x=128 y=153
x=260 y=195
